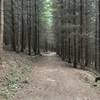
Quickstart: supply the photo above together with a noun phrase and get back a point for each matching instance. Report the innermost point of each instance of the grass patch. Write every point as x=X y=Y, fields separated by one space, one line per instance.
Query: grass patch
x=15 y=79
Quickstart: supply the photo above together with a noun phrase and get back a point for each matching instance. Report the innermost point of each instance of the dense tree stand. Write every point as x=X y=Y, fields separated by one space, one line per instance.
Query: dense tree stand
x=71 y=28
x=31 y=31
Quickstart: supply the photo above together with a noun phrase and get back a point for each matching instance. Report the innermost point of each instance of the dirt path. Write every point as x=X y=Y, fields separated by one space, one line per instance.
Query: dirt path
x=52 y=80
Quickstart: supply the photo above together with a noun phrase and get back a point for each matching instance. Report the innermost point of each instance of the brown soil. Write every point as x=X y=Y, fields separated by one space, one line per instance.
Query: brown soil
x=52 y=79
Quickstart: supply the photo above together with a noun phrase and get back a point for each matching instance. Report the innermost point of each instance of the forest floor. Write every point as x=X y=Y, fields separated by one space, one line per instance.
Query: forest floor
x=45 y=77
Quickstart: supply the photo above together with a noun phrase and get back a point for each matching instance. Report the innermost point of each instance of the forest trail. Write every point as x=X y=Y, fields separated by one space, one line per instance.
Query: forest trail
x=52 y=80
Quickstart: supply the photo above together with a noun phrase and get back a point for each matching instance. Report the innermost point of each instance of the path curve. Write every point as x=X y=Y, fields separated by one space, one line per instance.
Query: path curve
x=51 y=79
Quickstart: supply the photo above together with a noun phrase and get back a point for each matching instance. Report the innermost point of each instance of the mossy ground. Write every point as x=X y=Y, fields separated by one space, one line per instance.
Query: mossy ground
x=17 y=75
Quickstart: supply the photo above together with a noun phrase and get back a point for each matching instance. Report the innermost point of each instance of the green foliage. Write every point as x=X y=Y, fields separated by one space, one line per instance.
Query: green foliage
x=46 y=9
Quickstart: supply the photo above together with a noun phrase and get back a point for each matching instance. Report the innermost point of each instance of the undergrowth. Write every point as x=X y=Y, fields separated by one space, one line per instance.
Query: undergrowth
x=15 y=79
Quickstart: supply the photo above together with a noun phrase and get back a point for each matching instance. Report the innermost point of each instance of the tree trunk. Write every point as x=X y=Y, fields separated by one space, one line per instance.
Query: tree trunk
x=74 y=22
x=81 y=33
x=86 y=40
x=69 y=38
x=22 y=34
x=1 y=29
x=13 y=37
x=38 y=38
x=96 y=37
x=99 y=35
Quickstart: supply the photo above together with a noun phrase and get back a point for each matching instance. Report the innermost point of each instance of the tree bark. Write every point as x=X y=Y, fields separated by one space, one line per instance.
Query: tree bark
x=81 y=33
x=22 y=34
x=99 y=35
x=1 y=29
x=74 y=22
x=13 y=37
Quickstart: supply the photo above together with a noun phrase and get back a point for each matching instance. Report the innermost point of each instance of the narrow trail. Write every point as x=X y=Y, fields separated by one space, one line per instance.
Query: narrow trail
x=52 y=80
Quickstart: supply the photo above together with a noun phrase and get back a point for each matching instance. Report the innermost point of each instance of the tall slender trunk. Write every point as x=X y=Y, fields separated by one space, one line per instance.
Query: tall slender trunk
x=13 y=37
x=96 y=36
x=35 y=28
x=1 y=28
x=86 y=40
x=81 y=33
x=62 y=30
x=18 y=33
x=74 y=22
x=38 y=37
x=29 y=29
x=22 y=34
x=69 y=40
x=99 y=34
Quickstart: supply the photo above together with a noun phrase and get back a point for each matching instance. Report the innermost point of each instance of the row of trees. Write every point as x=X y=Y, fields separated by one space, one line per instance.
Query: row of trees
x=22 y=26
x=76 y=24
x=28 y=26
x=78 y=32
